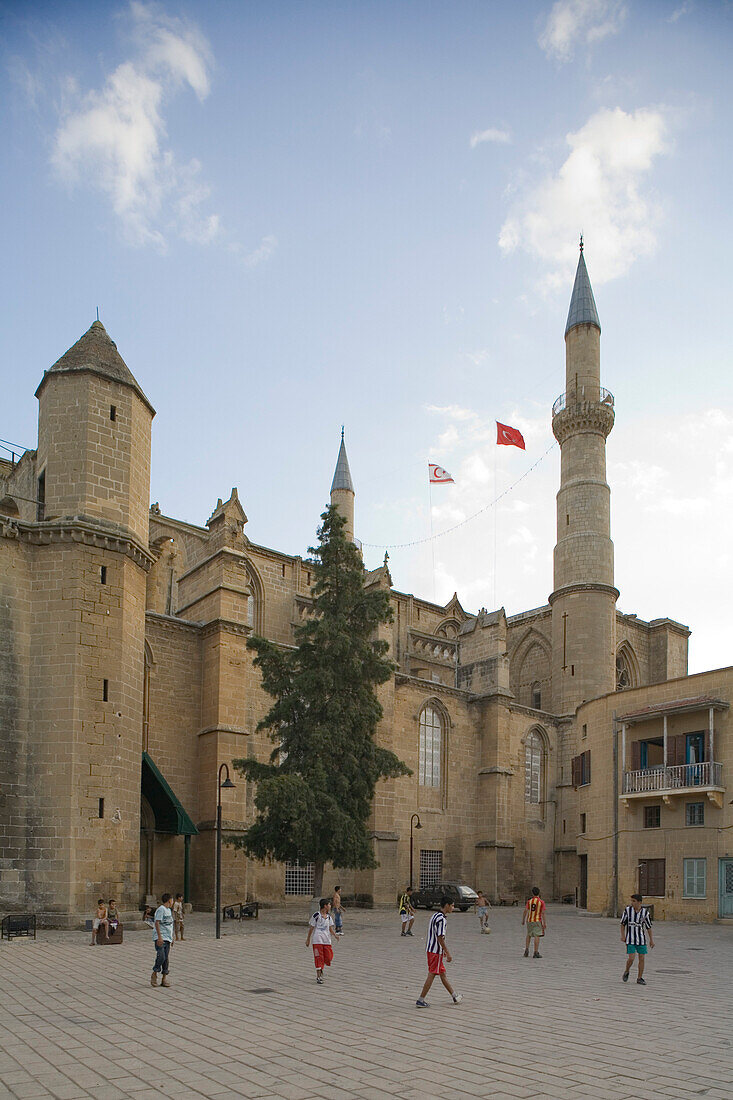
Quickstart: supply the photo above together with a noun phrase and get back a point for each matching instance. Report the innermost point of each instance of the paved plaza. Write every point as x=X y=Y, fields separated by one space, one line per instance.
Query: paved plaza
x=244 y=1016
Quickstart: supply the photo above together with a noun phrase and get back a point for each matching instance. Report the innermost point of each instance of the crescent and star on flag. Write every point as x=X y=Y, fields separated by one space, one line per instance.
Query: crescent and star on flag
x=506 y=436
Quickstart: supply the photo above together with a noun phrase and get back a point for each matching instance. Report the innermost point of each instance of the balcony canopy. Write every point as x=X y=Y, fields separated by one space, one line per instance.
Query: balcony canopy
x=675 y=706
x=170 y=816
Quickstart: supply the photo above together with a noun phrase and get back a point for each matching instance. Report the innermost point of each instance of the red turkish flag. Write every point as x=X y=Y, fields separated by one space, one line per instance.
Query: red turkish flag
x=438 y=476
x=509 y=437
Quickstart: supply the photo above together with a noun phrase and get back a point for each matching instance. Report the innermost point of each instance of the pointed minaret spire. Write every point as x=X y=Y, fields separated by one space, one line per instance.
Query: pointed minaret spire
x=342 y=476
x=582 y=304
x=342 y=490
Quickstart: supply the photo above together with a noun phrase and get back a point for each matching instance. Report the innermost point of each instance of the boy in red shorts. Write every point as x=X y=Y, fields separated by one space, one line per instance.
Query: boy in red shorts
x=437 y=951
x=321 y=924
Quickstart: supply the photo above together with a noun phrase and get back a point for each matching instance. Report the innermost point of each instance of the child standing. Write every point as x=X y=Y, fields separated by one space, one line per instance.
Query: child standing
x=338 y=910
x=100 y=920
x=163 y=939
x=321 y=924
x=534 y=917
x=178 y=914
x=482 y=911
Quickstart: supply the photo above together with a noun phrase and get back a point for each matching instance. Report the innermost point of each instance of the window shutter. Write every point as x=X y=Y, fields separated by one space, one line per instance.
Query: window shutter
x=689 y=883
x=643 y=877
x=676 y=749
x=656 y=885
x=576 y=770
x=635 y=756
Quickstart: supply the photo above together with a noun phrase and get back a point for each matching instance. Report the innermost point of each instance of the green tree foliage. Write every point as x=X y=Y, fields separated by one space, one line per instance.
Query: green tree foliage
x=314 y=796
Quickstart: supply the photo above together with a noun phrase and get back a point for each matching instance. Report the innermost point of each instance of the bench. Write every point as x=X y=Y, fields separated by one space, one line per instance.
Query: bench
x=19 y=924
x=241 y=910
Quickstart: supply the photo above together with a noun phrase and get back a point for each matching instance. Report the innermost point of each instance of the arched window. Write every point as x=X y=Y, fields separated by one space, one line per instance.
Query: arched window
x=431 y=746
x=533 y=752
x=147 y=663
x=537 y=695
x=626 y=668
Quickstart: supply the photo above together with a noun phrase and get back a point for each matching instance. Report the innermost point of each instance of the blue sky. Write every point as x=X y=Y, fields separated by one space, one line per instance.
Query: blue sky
x=298 y=215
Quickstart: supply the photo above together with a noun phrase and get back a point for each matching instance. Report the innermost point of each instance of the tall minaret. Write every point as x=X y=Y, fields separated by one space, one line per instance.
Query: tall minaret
x=342 y=490
x=584 y=599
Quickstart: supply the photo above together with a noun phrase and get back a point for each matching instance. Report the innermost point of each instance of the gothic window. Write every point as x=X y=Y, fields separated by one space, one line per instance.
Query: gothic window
x=625 y=674
x=537 y=695
x=431 y=746
x=533 y=768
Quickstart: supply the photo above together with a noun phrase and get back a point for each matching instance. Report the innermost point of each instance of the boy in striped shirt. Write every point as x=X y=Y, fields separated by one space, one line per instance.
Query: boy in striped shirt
x=436 y=952
x=534 y=917
x=634 y=925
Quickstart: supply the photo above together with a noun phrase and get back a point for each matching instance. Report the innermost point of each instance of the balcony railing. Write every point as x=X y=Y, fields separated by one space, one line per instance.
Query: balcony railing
x=580 y=394
x=676 y=778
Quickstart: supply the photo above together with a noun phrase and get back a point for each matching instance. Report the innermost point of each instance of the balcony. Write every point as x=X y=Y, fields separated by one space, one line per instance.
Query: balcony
x=679 y=779
x=593 y=394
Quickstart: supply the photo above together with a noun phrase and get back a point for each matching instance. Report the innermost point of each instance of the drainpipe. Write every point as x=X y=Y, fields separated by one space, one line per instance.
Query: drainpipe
x=615 y=817
x=186 y=867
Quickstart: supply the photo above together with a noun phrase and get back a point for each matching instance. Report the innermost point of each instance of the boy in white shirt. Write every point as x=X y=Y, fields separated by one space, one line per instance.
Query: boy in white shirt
x=321 y=924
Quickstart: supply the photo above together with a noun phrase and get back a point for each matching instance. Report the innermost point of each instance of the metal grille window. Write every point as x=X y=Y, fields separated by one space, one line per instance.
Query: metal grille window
x=431 y=746
x=695 y=813
x=652 y=817
x=431 y=868
x=299 y=878
x=694 y=881
x=533 y=768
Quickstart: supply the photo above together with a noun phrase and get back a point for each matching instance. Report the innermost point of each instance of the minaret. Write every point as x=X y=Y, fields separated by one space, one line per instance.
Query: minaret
x=584 y=599
x=342 y=490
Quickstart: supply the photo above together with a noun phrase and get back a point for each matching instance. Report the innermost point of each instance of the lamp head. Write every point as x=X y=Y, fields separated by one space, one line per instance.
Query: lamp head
x=227 y=784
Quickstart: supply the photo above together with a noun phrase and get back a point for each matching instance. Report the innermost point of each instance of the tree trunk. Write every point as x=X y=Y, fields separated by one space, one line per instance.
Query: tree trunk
x=318 y=879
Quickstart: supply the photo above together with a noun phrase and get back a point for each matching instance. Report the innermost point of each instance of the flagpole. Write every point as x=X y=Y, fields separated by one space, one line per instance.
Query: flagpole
x=496 y=514
x=432 y=541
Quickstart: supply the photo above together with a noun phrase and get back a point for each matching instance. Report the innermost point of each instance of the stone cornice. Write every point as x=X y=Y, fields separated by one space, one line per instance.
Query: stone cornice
x=432 y=686
x=567 y=589
x=228 y=626
x=81 y=530
x=173 y=620
x=236 y=730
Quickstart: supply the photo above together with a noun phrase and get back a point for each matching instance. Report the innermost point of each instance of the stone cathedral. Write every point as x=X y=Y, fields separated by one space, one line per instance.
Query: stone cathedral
x=564 y=746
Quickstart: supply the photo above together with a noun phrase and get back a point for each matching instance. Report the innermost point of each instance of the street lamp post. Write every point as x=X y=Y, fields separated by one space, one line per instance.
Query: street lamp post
x=227 y=784
x=413 y=819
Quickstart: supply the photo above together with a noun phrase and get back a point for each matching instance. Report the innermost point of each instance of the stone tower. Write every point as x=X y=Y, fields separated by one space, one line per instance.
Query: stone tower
x=90 y=549
x=584 y=597
x=342 y=490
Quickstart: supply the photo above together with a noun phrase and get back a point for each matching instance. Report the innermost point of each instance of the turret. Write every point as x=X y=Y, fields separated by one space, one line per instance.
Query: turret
x=342 y=490
x=584 y=597
x=94 y=426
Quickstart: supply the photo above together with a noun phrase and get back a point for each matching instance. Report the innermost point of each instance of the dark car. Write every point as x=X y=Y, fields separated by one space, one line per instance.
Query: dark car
x=429 y=897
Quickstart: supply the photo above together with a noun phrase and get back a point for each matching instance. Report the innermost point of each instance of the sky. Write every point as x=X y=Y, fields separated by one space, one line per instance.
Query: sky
x=294 y=216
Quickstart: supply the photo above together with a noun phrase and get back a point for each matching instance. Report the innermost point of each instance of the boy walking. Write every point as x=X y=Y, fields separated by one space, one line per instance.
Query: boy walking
x=338 y=910
x=534 y=918
x=407 y=913
x=321 y=924
x=635 y=923
x=482 y=911
x=162 y=938
x=437 y=951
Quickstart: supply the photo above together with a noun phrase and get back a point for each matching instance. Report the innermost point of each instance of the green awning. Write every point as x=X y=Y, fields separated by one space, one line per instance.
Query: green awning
x=170 y=816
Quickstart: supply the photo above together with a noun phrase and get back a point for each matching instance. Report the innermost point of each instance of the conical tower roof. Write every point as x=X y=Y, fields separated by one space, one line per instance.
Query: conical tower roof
x=342 y=476
x=582 y=304
x=97 y=353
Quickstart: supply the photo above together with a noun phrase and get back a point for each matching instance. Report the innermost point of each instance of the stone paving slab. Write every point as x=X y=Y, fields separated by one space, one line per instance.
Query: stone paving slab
x=77 y=1021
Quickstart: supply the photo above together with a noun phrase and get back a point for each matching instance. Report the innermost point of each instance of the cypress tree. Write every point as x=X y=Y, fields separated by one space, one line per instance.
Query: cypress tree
x=314 y=795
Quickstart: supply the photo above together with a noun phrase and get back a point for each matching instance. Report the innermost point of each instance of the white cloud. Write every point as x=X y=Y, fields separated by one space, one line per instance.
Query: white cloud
x=114 y=138
x=262 y=253
x=500 y=137
x=683 y=9
x=574 y=23
x=599 y=189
